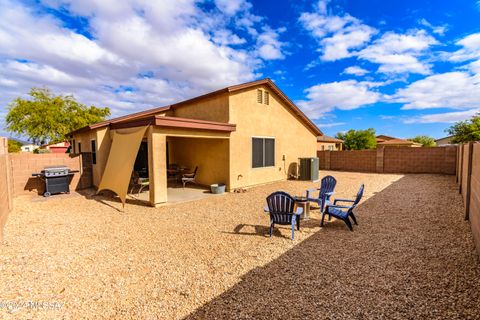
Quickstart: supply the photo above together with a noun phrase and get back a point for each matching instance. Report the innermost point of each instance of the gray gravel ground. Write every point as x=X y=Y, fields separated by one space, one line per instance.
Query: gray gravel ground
x=411 y=257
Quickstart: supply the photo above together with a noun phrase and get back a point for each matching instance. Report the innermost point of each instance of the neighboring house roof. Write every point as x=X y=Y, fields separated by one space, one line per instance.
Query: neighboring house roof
x=62 y=144
x=325 y=138
x=396 y=141
x=382 y=138
x=444 y=138
x=151 y=112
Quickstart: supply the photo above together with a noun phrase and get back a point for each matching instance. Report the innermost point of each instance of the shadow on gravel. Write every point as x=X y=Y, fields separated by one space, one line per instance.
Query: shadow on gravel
x=409 y=257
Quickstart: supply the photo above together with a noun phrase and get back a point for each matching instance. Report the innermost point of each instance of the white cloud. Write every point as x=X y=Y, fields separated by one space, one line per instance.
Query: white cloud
x=355 y=70
x=231 y=7
x=182 y=50
x=343 y=95
x=330 y=125
x=440 y=30
x=269 y=45
x=458 y=90
x=336 y=35
x=399 y=53
x=447 y=117
x=470 y=50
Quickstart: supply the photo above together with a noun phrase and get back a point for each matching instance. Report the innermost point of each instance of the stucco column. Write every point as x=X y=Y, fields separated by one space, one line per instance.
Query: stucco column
x=157 y=166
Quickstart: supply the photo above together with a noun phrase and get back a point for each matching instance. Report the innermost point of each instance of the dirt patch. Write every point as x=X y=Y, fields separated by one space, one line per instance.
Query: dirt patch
x=411 y=256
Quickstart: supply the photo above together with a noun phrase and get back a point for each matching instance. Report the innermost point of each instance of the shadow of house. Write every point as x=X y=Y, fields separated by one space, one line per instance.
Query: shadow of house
x=410 y=257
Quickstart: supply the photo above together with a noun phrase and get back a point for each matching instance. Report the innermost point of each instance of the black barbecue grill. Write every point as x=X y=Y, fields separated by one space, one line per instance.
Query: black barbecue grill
x=57 y=179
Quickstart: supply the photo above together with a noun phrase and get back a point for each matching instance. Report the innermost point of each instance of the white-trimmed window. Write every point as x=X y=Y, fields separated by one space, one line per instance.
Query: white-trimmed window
x=263 y=152
x=93 y=145
x=259 y=96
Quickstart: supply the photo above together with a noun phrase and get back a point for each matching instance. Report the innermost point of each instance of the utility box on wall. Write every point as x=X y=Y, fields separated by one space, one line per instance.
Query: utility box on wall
x=309 y=169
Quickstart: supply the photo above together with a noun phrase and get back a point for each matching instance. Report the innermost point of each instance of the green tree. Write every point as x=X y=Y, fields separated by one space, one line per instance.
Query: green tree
x=426 y=141
x=358 y=139
x=465 y=131
x=46 y=118
x=14 y=146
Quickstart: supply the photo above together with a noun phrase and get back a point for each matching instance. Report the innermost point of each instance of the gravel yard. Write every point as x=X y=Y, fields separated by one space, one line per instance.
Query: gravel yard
x=412 y=256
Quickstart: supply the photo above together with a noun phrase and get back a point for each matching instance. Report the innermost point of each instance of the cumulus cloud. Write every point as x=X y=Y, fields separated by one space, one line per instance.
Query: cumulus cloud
x=470 y=49
x=355 y=70
x=164 y=53
x=447 y=117
x=458 y=90
x=336 y=35
x=343 y=95
x=440 y=30
x=399 y=53
x=269 y=45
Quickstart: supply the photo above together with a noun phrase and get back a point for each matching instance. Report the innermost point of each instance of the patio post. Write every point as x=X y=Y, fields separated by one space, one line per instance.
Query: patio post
x=157 y=166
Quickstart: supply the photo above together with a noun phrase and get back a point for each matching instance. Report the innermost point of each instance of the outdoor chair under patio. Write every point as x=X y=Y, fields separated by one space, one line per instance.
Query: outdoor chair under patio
x=281 y=207
x=345 y=212
x=189 y=177
x=327 y=186
x=137 y=181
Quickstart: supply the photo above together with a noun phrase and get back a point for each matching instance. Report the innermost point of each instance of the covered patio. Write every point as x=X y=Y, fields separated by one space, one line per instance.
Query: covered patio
x=170 y=148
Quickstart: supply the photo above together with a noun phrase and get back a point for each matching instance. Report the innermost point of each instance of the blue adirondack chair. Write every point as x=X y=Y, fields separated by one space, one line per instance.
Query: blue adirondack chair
x=344 y=212
x=324 y=192
x=280 y=206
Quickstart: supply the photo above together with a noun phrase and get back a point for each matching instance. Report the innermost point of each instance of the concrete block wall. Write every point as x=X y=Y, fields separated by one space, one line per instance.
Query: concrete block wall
x=392 y=160
x=419 y=160
x=6 y=195
x=468 y=179
x=24 y=164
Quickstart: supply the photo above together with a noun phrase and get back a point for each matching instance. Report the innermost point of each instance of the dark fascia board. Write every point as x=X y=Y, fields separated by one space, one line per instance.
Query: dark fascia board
x=175 y=122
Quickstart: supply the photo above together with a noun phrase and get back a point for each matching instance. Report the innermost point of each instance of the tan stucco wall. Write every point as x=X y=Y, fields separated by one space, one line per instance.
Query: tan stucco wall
x=210 y=155
x=292 y=138
x=103 y=142
x=210 y=109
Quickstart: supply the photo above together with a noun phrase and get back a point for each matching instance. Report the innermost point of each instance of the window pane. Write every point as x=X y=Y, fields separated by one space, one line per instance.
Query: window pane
x=269 y=152
x=257 y=152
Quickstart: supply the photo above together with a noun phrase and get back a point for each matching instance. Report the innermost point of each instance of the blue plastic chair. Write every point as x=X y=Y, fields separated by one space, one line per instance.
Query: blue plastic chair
x=280 y=206
x=327 y=186
x=344 y=213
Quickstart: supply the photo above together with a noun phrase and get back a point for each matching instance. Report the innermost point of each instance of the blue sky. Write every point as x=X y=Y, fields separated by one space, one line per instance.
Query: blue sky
x=402 y=67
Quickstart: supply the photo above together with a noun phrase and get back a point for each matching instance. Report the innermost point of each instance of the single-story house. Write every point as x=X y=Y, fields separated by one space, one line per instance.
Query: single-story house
x=241 y=136
x=447 y=141
x=29 y=147
x=329 y=143
x=59 y=147
x=387 y=141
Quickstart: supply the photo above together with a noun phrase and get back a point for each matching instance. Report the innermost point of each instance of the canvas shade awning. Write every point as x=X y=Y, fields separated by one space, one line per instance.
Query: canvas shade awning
x=120 y=162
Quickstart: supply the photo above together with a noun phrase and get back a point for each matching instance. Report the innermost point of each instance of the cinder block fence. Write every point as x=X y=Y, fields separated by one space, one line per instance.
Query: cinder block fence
x=391 y=160
x=468 y=179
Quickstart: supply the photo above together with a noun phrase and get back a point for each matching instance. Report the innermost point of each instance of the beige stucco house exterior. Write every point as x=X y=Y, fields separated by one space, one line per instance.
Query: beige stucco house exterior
x=327 y=143
x=241 y=136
